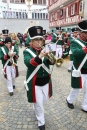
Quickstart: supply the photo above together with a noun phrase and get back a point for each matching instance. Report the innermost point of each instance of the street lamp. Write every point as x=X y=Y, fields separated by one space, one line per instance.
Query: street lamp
x=29 y=3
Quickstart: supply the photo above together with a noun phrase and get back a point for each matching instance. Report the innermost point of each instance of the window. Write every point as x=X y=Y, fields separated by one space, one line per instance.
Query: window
x=35 y=15
x=44 y=2
x=43 y=15
x=12 y=1
x=66 y=12
x=5 y=1
x=61 y=12
x=17 y=1
x=39 y=1
x=81 y=6
x=55 y=17
x=34 y=1
x=50 y=2
x=32 y=15
x=38 y=16
x=12 y=14
x=55 y=0
x=51 y=17
x=73 y=9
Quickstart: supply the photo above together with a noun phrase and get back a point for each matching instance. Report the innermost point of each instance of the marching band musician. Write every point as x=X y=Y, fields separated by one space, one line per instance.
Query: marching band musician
x=74 y=35
x=9 y=70
x=39 y=85
x=66 y=46
x=5 y=33
x=79 y=72
x=57 y=38
x=15 y=41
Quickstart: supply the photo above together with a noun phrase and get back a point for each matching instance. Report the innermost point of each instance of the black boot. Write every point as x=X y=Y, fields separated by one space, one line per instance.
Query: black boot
x=13 y=86
x=84 y=111
x=11 y=93
x=70 y=105
x=42 y=127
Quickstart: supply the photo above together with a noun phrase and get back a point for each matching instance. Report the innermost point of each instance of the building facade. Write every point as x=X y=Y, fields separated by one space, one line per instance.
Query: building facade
x=65 y=13
x=16 y=11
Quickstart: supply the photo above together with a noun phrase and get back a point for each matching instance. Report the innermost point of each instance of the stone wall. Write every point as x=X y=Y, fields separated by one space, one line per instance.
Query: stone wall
x=21 y=25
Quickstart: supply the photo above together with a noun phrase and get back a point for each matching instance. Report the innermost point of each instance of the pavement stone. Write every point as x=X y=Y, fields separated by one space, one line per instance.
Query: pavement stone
x=17 y=114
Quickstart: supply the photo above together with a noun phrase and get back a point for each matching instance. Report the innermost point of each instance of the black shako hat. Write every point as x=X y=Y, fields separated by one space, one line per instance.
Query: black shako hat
x=83 y=25
x=75 y=29
x=44 y=32
x=5 y=31
x=7 y=39
x=58 y=28
x=35 y=32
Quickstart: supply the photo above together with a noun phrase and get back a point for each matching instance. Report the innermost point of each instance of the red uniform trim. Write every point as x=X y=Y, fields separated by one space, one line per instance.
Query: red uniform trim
x=5 y=73
x=5 y=57
x=33 y=62
x=80 y=81
x=50 y=88
x=1 y=43
x=33 y=89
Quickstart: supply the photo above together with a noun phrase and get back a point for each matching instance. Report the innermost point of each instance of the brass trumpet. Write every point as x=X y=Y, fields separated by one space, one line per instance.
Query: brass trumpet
x=11 y=57
x=50 y=55
x=59 y=62
x=52 y=58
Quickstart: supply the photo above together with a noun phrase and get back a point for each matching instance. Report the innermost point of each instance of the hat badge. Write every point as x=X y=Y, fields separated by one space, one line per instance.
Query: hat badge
x=5 y=32
x=38 y=31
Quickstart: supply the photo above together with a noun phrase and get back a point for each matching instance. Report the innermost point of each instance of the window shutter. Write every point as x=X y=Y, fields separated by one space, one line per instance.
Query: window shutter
x=75 y=8
x=69 y=11
x=58 y=14
x=78 y=7
x=64 y=13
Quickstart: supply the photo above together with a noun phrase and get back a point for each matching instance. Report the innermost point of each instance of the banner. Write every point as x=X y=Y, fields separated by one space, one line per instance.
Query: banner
x=30 y=10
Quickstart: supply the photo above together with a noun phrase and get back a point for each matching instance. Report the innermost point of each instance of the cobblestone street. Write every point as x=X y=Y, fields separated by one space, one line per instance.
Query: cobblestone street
x=17 y=114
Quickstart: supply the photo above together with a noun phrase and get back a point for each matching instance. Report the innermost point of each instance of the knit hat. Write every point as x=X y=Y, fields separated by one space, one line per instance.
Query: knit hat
x=8 y=39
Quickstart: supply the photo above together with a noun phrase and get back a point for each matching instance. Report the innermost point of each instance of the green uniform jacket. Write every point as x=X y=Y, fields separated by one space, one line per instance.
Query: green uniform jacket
x=54 y=40
x=27 y=42
x=71 y=55
x=3 y=57
x=16 y=44
x=41 y=73
x=1 y=42
x=78 y=56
